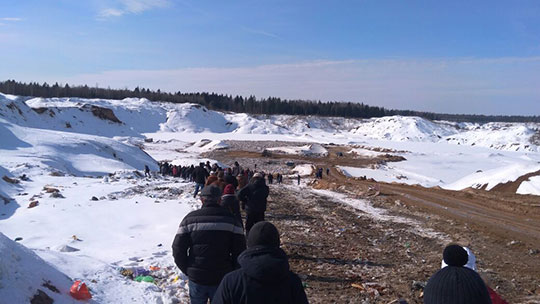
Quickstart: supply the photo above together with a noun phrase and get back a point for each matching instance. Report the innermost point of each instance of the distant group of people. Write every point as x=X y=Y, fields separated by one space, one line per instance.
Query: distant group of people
x=319 y=172
x=210 y=244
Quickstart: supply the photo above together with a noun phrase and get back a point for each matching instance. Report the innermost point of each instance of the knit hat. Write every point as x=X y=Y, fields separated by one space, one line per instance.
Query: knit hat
x=471 y=263
x=229 y=189
x=456 y=284
x=211 y=193
x=211 y=179
x=263 y=234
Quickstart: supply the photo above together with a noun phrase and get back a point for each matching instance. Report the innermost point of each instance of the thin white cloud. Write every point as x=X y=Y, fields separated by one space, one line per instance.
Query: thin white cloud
x=111 y=12
x=258 y=32
x=124 y=7
x=11 y=19
x=459 y=85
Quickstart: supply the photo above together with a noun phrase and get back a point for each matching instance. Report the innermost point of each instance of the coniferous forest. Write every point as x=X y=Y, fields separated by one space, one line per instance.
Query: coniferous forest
x=240 y=104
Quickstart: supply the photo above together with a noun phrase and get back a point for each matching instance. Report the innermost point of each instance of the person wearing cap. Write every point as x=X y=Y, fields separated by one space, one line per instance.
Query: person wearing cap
x=253 y=197
x=231 y=203
x=264 y=275
x=456 y=283
x=207 y=245
x=471 y=264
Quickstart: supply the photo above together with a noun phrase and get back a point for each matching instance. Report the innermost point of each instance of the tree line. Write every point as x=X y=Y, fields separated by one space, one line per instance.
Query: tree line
x=240 y=104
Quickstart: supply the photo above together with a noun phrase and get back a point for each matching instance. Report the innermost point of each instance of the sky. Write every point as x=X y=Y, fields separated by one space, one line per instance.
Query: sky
x=477 y=57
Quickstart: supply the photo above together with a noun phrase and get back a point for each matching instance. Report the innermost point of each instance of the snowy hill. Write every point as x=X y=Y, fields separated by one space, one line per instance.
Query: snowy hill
x=398 y=128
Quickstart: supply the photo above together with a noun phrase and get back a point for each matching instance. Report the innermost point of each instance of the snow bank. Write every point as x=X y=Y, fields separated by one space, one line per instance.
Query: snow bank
x=303 y=170
x=365 y=152
x=23 y=273
x=307 y=150
x=531 y=186
x=206 y=145
x=70 y=153
x=509 y=137
x=390 y=174
x=492 y=178
x=194 y=119
x=399 y=128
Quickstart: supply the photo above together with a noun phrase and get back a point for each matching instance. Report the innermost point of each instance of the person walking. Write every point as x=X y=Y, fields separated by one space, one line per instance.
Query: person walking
x=147 y=171
x=230 y=202
x=456 y=283
x=253 y=198
x=207 y=245
x=264 y=275
x=200 y=174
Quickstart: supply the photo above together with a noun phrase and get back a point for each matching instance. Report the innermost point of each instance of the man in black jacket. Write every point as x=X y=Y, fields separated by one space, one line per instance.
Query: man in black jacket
x=207 y=245
x=253 y=198
x=199 y=176
x=264 y=276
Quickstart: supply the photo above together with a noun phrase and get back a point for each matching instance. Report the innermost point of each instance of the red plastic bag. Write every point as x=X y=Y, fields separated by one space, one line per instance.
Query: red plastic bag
x=79 y=291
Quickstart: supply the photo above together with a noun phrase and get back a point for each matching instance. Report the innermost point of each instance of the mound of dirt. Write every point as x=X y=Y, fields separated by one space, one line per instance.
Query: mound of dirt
x=512 y=187
x=104 y=113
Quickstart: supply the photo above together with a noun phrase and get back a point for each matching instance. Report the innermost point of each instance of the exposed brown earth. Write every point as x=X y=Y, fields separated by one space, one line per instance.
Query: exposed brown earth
x=347 y=256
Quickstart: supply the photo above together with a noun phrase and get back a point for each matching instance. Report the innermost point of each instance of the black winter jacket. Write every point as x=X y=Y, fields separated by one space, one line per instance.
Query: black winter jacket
x=264 y=277
x=254 y=196
x=200 y=174
x=208 y=243
x=229 y=179
x=231 y=203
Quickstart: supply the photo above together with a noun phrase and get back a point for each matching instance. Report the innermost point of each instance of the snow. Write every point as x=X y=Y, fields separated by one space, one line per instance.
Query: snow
x=62 y=143
x=532 y=186
x=398 y=128
x=304 y=169
x=365 y=152
x=21 y=271
x=307 y=150
x=491 y=178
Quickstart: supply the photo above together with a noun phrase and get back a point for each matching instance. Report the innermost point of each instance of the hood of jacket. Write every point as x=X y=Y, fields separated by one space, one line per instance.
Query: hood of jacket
x=265 y=264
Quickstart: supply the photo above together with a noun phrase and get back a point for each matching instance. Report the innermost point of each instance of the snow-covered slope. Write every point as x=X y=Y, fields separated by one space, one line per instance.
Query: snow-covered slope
x=23 y=273
x=134 y=117
x=68 y=153
x=398 y=128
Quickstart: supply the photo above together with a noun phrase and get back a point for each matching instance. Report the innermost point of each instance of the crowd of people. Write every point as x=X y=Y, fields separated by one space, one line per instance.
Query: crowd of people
x=228 y=261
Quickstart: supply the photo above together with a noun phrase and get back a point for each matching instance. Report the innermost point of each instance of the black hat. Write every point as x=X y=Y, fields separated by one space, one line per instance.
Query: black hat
x=211 y=193
x=456 y=284
x=263 y=234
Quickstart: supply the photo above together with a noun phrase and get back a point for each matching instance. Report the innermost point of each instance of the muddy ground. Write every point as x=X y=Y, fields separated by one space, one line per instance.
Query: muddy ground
x=345 y=255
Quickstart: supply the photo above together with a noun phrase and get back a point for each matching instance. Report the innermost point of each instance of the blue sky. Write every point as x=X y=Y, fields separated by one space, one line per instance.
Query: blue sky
x=441 y=56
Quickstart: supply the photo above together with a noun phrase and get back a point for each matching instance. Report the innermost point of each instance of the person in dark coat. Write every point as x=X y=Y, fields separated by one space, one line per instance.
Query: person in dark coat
x=455 y=283
x=230 y=202
x=253 y=198
x=264 y=276
x=146 y=171
x=207 y=245
x=200 y=174
x=229 y=179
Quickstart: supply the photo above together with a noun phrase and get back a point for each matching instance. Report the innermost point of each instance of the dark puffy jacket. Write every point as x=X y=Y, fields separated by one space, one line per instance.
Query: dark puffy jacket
x=231 y=203
x=207 y=244
x=200 y=174
x=229 y=179
x=254 y=196
x=264 y=277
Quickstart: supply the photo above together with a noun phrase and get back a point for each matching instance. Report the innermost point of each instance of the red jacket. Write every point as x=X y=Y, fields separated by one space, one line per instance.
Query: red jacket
x=495 y=298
